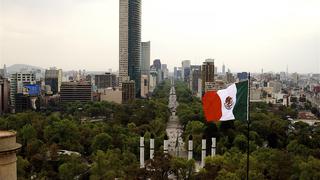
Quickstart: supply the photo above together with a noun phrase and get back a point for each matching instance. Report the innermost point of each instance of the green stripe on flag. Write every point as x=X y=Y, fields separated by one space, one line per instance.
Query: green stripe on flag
x=241 y=107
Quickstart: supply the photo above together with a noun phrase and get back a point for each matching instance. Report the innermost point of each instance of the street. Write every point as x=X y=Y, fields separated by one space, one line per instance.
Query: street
x=174 y=129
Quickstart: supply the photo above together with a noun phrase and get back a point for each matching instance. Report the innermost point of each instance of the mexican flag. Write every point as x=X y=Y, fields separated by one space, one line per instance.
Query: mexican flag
x=227 y=104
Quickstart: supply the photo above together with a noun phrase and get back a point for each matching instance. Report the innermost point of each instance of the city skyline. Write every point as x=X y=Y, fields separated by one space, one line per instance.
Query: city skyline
x=244 y=37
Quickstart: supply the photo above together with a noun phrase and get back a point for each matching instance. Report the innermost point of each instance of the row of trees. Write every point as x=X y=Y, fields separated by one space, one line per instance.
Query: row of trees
x=102 y=149
x=278 y=148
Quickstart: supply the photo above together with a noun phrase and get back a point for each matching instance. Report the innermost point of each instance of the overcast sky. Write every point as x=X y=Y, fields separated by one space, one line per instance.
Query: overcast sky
x=246 y=35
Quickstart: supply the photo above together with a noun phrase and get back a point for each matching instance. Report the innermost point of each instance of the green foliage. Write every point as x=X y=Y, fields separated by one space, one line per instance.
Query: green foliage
x=240 y=142
x=160 y=166
x=22 y=167
x=183 y=168
x=65 y=133
x=28 y=132
x=111 y=164
x=72 y=167
x=101 y=142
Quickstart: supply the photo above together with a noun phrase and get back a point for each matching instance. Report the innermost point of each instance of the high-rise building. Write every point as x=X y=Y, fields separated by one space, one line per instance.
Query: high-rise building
x=145 y=58
x=195 y=75
x=164 y=71
x=207 y=75
x=242 y=76
x=128 y=91
x=130 y=42
x=295 y=78
x=75 y=91
x=223 y=69
x=157 y=64
x=17 y=83
x=4 y=95
x=157 y=67
x=186 y=70
x=175 y=73
x=144 y=85
x=153 y=79
x=145 y=68
x=53 y=78
x=229 y=78
x=179 y=73
x=105 y=80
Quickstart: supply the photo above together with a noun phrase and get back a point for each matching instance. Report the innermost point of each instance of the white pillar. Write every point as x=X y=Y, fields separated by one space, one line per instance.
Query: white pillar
x=203 y=152
x=213 y=147
x=141 y=151
x=190 y=148
x=165 y=144
x=151 y=146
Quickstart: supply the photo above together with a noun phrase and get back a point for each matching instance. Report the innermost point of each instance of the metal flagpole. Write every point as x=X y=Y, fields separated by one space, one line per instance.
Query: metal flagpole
x=248 y=128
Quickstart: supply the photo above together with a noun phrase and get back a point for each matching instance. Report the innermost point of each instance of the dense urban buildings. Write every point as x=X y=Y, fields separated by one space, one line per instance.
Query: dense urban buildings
x=75 y=91
x=53 y=78
x=130 y=42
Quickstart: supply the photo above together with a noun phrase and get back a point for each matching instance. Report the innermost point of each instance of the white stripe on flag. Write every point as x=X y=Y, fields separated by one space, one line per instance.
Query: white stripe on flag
x=227 y=114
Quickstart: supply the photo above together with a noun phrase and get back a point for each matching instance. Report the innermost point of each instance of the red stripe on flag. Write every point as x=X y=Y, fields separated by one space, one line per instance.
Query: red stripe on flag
x=211 y=103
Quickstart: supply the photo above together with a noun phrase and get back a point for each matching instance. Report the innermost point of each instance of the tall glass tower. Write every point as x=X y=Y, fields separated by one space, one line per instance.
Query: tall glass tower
x=130 y=42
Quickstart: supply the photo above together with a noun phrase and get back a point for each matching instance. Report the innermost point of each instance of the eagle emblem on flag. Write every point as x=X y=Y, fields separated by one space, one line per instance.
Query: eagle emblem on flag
x=228 y=103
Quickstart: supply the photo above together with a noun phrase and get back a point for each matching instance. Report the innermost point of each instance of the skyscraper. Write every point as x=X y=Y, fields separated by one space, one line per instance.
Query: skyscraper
x=145 y=68
x=145 y=58
x=17 y=82
x=207 y=75
x=186 y=70
x=223 y=69
x=195 y=75
x=130 y=42
x=53 y=77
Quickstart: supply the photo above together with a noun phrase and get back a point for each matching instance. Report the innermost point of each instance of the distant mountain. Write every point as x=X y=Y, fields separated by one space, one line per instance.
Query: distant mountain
x=22 y=67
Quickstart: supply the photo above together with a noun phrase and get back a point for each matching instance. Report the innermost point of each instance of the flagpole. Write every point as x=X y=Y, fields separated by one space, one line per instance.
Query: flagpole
x=248 y=128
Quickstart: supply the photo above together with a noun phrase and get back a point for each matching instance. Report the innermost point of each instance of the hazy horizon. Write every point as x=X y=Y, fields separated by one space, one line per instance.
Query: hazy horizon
x=83 y=34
